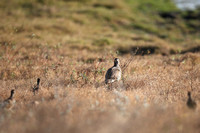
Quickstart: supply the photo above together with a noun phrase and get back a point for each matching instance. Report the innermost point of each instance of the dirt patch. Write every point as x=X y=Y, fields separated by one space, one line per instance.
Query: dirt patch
x=107 y=6
x=169 y=15
x=187 y=15
x=149 y=50
x=192 y=15
x=195 y=49
x=143 y=50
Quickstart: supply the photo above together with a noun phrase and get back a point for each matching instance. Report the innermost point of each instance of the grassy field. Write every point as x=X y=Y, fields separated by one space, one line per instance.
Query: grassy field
x=70 y=44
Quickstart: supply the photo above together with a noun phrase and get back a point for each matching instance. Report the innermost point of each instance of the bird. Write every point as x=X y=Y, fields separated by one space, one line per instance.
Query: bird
x=36 y=87
x=191 y=103
x=8 y=103
x=114 y=73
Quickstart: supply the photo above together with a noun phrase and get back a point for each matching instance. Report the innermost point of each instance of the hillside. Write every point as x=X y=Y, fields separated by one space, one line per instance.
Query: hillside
x=98 y=25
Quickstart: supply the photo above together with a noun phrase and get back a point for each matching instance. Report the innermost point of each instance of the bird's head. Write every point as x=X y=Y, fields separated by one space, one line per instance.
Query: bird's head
x=12 y=91
x=116 y=62
x=189 y=94
x=38 y=81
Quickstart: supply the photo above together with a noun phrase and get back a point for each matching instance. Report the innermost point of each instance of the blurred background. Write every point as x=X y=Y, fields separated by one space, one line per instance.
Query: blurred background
x=164 y=26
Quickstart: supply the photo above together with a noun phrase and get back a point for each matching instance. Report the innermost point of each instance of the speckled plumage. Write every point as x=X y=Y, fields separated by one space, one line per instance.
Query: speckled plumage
x=114 y=73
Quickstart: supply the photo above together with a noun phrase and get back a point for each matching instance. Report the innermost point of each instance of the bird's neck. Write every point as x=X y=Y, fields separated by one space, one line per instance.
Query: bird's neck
x=116 y=64
x=190 y=98
x=11 y=96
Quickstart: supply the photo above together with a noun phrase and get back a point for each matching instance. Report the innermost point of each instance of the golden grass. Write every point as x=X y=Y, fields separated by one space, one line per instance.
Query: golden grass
x=73 y=97
x=70 y=47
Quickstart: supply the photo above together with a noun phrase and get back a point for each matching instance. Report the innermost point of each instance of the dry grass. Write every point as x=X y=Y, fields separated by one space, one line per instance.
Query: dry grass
x=69 y=46
x=73 y=98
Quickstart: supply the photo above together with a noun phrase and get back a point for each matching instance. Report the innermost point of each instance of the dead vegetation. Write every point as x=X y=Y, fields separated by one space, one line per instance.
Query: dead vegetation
x=69 y=99
x=70 y=45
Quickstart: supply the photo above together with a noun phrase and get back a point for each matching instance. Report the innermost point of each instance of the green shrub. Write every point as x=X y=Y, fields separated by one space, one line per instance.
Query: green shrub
x=101 y=42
